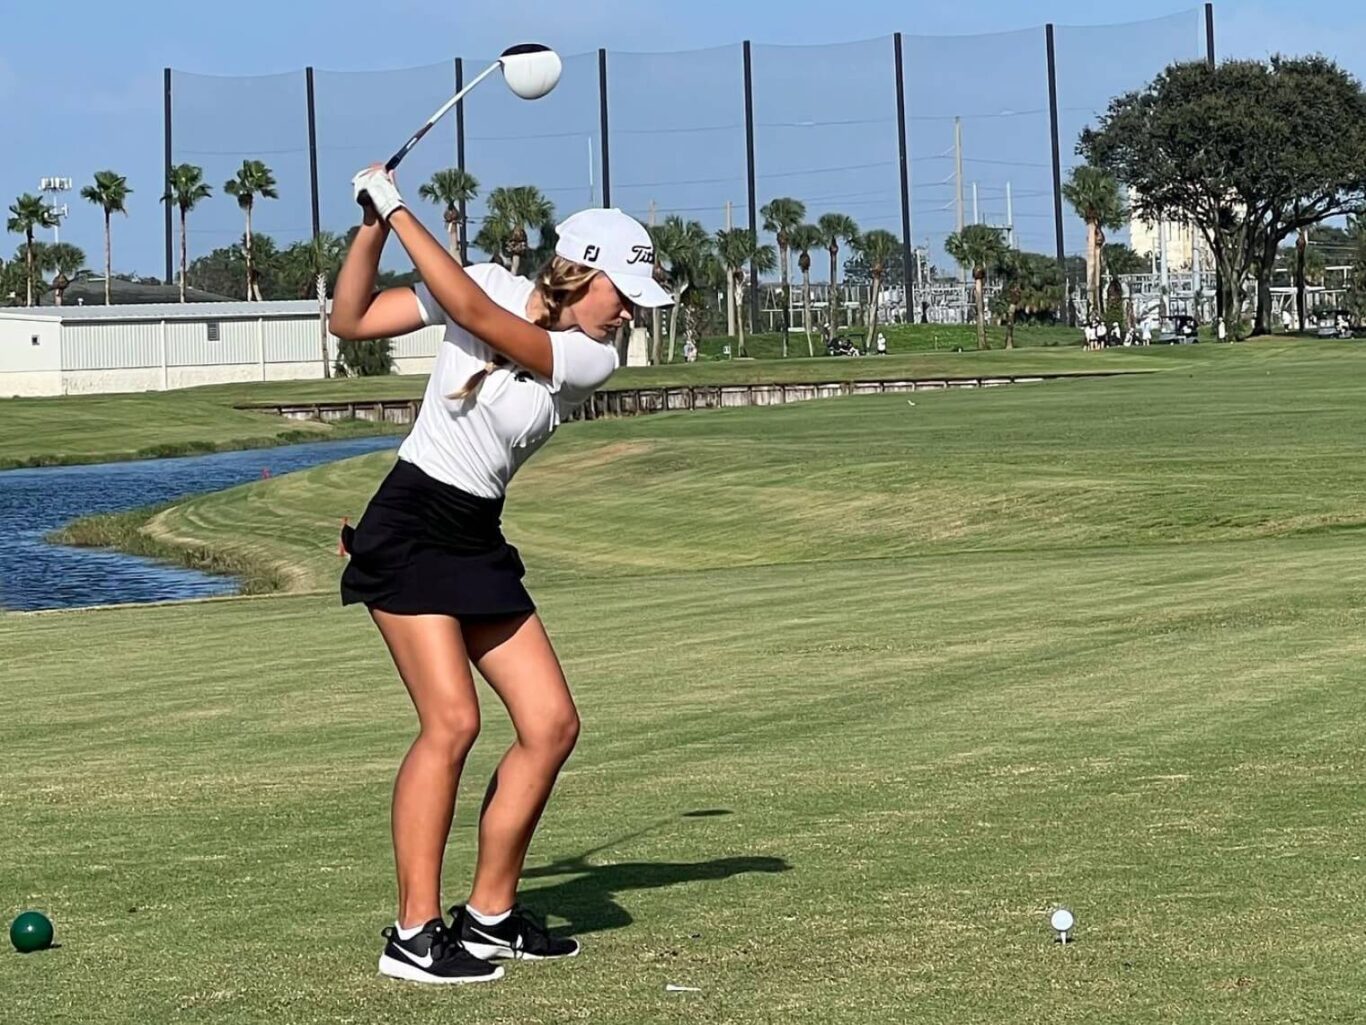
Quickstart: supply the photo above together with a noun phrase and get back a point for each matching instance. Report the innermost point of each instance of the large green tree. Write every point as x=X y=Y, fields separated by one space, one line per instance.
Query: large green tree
x=110 y=192
x=1031 y=286
x=978 y=248
x=185 y=187
x=1250 y=152
x=28 y=213
x=223 y=270
x=253 y=179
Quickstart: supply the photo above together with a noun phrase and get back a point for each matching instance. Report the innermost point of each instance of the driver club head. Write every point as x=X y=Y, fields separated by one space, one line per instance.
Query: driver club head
x=530 y=69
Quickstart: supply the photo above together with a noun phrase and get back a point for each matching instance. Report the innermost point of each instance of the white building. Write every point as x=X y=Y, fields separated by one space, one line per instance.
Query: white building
x=1183 y=240
x=72 y=350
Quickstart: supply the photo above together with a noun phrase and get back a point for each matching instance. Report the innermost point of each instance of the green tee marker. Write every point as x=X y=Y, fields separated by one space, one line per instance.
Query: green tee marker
x=31 y=931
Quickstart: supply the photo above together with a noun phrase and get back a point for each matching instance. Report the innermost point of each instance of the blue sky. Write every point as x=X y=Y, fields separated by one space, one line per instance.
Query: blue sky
x=78 y=94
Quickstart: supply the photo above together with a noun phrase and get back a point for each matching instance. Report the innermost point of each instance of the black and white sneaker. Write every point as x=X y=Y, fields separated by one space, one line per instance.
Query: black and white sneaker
x=433 y=956
x=521 y=936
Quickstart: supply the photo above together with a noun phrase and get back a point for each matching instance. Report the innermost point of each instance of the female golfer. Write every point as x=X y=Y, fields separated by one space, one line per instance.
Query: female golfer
x=429 y=561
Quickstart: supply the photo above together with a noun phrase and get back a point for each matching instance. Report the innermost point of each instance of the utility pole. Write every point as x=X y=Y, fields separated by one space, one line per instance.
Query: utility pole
x=54 y=187
x=958 y=180
x=1010 y=218
x=592 y=189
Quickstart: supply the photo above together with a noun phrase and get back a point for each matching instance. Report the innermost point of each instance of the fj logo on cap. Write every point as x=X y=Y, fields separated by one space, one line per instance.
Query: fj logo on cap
x=591 y=254
x=642 y=254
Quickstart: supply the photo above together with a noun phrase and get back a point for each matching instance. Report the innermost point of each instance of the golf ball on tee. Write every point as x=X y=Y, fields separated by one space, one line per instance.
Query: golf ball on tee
x=1062 y=920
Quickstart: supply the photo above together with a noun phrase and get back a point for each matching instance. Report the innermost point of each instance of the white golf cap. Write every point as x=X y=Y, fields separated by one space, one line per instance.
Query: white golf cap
x=618 y=245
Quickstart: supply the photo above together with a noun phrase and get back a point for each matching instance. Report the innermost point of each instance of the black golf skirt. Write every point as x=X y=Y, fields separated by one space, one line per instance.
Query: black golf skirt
x=426 y=547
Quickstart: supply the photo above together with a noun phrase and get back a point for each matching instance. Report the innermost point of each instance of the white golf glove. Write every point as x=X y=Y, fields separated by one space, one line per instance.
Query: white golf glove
x=377 y=185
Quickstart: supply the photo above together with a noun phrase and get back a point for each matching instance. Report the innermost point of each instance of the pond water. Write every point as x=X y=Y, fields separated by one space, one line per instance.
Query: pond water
x=35 y=574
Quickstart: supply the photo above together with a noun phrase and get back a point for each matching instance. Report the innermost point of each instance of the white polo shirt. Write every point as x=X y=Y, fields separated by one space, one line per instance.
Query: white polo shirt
x=478 y=443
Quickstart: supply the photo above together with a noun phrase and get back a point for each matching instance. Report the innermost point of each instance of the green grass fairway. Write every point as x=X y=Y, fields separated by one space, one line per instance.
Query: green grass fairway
x=868 y=689
x=1242 y=443
x=102 y=428
x=901 y=339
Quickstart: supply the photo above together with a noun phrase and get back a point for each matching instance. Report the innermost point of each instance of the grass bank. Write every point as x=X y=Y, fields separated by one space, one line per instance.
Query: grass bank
x=133 y=532
x=107 y=428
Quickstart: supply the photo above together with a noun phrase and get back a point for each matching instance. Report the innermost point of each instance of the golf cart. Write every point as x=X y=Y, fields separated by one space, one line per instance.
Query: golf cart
x=1333 y=323
x=841 y=345
x=1184 y=330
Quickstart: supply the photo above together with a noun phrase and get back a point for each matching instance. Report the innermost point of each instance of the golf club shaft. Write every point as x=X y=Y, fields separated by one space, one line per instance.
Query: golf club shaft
x=397 y=158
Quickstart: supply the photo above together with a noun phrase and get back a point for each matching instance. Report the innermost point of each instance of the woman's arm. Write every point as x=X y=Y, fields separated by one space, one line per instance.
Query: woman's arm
x=357 y=311
x=467 y=304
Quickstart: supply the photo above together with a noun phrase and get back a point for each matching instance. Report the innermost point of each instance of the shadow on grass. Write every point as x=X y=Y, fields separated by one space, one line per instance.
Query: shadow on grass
x=589 y=900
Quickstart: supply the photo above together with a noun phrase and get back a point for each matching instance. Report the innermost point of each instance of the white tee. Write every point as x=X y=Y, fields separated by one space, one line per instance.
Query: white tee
x=478 y=443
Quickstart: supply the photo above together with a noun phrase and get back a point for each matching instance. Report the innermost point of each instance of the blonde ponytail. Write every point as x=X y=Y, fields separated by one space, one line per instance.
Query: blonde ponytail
x=560 y=285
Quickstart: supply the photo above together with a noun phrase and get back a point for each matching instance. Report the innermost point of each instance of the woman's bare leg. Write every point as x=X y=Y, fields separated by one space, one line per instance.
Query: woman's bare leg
x=430 y=655
x=517 y=659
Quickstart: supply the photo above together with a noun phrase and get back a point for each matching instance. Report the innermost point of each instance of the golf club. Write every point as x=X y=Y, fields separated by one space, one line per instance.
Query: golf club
x=530 y=71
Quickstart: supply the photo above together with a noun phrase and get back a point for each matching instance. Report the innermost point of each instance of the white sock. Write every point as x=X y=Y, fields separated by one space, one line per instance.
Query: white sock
x=484 y=919
x=407 y=934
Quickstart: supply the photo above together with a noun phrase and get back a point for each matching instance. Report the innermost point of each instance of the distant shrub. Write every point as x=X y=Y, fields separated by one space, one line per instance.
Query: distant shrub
x=367 y=358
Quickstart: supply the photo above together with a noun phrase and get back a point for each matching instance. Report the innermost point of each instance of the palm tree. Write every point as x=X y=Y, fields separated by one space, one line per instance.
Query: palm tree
x=29 y=213
x=109 y=192
x=977 y=248
x=519 y=208
x=324 y=255
x=253 y=179
x=684 y=246
x=1094 y=195
x=452 y=188
x=878 y=248
x=1011 y=268
x=804 y=238
x=185 y=187
x=835 y=228
x=67 y=260
x=738 y=249
x=782 y=217
x=492 y=239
